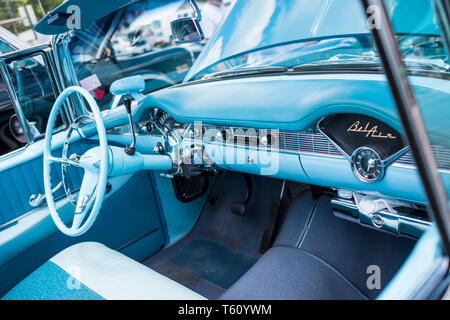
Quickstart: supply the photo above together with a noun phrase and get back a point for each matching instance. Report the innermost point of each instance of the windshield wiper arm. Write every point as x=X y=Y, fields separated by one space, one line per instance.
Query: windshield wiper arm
x=346 y=66
x=245 y=71
x=430 y=65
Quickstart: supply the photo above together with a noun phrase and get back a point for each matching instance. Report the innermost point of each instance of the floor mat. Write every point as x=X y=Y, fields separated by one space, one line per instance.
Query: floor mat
x=213 y=262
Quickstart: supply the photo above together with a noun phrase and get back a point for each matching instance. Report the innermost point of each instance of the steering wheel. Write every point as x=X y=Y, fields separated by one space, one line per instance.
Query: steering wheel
x=94 y=162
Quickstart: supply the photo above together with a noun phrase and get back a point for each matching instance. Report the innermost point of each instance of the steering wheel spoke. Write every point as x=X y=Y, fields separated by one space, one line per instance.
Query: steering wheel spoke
x=86 y=191
x=84 y=202
x=65 y=161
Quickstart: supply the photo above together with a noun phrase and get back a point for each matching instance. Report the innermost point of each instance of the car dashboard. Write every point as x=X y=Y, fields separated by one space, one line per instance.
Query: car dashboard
x=354 y=146
x=351 y=154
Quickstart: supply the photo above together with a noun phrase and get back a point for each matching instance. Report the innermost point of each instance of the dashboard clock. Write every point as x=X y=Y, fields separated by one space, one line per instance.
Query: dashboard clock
x=367 y=164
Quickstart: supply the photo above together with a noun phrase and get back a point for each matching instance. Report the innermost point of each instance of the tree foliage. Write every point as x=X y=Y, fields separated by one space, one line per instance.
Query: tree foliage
x=9 y=9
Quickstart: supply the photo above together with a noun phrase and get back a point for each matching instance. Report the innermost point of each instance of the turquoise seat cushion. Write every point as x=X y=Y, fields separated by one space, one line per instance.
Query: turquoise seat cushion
x=50 y=282
x=91 y=271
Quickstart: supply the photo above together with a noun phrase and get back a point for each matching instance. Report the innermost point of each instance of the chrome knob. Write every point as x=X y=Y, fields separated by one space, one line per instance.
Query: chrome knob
x=159 y=148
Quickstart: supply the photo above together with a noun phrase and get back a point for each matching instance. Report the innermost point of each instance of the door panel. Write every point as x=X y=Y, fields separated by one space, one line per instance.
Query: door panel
x=128 y=222
x=19 y=182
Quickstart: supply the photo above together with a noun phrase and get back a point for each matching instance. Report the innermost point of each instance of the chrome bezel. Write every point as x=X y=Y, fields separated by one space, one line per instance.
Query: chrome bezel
x=355 y=170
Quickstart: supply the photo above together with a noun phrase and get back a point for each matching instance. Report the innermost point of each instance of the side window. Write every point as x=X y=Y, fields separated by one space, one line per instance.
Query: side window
x=32 y=89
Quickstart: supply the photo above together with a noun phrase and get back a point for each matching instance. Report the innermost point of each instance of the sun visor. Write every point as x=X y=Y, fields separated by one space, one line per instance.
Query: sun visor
x=62 y=18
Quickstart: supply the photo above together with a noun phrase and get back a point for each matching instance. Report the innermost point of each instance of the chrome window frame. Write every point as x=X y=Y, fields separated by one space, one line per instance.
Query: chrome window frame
x=46 y=52
x=66 y=72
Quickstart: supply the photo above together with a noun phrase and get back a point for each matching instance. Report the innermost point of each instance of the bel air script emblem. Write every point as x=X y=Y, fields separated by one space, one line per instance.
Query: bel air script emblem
x=370 y=131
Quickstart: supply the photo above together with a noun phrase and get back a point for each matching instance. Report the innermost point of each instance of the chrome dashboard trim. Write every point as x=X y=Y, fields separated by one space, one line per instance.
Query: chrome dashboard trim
x=294 y=142
x=309 y=142
x=398 y=223
x=396 y=156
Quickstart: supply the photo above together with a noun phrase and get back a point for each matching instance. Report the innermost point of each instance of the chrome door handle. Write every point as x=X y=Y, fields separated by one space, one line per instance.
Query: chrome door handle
x=37 y=199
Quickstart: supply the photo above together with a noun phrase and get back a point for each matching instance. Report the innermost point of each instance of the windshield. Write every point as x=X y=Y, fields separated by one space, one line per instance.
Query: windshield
x=300 y=34
x=135 y=40
x=421 y=53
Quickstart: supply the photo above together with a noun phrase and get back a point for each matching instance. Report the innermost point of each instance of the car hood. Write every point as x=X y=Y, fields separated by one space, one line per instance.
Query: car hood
x=90 y=11
x=257 y=24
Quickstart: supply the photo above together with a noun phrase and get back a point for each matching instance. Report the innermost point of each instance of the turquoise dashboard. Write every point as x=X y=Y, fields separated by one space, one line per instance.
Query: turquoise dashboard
x=289 y=109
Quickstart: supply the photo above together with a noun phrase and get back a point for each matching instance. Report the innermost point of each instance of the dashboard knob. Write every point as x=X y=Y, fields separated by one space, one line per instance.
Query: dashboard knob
x=159 y=148
x=268 y=140
x=221 y=136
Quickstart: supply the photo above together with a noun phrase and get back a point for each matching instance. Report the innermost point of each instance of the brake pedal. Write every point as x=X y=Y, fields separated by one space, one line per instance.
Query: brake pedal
x=240 y=208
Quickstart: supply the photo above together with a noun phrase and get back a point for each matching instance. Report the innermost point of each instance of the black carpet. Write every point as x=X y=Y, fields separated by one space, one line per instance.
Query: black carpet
x=347 y=246
x=223 y=246
x=320 y=256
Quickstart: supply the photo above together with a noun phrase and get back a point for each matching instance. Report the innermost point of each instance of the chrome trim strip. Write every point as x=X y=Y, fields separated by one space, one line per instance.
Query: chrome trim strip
x=403 y=165
x=56 y=84
x=10 y=223
x=395 y=156
x=71 y=75
x=301 y=141
x=414 y=167
x=397 y=223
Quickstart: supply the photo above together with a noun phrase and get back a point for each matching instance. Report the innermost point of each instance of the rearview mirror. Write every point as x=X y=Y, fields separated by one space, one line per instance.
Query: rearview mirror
x=132 y=86
x=135 y=37
x=186 y=30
